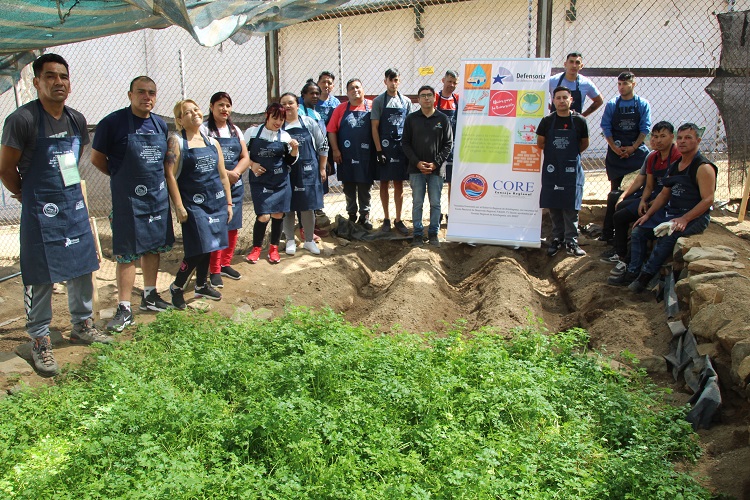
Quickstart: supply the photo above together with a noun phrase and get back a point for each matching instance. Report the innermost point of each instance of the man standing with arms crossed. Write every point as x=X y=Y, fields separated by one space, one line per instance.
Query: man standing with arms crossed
x=580 y=87
x=41 y=147
x=427 y=142
x=129 y=146
x=389 y=111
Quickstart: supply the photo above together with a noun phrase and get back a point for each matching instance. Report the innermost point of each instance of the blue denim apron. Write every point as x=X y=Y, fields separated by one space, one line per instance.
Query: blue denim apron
x=625 y=131
x=575 y=94
x=271 y=192
x=452 y=115
x=56 y=239
x=204 y=198
x=307 y=188
x=141 y=219
x=391 y=128
x=562 y=173
x=355 y=144
x=231 y=148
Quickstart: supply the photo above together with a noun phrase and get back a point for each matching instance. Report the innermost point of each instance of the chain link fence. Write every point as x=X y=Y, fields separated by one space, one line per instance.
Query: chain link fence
x=672 y=47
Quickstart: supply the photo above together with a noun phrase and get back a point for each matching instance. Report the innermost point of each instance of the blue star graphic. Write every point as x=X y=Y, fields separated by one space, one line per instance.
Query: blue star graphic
x=499 y=79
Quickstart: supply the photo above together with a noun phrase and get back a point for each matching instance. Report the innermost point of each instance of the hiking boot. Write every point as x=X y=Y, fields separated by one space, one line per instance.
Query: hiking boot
x=364 y=221
x=273 y=254
x=353 y=218
x=640 y=283
x=207 y=291
x=216 y=280
x=153 y=302
x=291 y=247
x=311 y=247
x=254 y=255
x=553 y=248
x=41 y=355
x=434 y=241
x=178 y=297
x=574 y=250
x=417 y=241
x=622 y=280
x=386 y=227
x=231 y=273
x=86 y=333
x=122 y=318
x=401 y=227
x=619 y=269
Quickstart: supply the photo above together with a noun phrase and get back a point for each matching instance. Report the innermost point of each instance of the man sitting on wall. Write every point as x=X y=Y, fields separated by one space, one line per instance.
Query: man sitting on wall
x=684 y=202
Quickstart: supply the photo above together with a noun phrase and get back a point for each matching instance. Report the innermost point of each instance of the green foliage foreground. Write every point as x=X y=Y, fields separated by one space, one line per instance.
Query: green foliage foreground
x=309 y=406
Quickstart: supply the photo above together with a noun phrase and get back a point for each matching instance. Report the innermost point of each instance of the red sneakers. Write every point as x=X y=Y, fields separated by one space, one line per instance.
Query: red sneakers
x=273 y=254
x=254 y=255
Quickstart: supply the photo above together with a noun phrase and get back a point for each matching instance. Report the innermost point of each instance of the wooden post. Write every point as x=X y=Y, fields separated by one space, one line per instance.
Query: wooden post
x=745 y=193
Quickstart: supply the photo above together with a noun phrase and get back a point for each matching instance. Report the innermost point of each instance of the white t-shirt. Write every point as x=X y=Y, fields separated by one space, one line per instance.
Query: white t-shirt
x=223 y=131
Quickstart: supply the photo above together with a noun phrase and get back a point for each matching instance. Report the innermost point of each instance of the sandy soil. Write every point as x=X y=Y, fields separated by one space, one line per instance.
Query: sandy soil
x=390 y=285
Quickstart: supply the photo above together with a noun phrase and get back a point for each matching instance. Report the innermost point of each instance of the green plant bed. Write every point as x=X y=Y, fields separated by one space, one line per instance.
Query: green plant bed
x=309 y=406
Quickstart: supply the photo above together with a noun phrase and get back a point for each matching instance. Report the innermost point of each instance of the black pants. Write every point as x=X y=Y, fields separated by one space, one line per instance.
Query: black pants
x=199 y=263
x=608 y=228
x=623 y=217
x=357 y=191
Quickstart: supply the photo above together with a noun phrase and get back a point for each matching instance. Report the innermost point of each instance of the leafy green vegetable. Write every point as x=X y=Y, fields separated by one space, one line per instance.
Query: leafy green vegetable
x=309 y=406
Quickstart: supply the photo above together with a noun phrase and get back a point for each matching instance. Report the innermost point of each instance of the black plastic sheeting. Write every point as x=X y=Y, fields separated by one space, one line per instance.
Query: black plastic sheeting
x=698 y=373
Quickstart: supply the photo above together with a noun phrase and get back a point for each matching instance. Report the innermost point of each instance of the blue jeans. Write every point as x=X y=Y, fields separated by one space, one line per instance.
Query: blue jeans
x=433 y=184
x=663 y=248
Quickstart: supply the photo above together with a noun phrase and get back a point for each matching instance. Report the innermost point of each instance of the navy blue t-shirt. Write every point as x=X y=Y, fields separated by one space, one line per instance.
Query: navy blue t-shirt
x=111 y=137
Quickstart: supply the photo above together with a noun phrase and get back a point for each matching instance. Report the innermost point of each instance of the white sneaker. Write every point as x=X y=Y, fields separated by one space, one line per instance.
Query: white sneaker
x=311 y=247
x=291 y=247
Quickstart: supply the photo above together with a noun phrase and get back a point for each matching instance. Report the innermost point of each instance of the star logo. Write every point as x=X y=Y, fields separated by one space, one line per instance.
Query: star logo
x=499 y=79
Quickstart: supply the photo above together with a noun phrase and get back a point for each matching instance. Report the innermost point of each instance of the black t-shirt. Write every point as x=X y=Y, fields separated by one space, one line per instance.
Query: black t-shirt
x=20 y=130
x=564 y=123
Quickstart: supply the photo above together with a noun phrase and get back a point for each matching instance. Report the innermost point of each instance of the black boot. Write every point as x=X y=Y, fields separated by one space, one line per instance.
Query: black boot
x=639 y=285
x=622 y=280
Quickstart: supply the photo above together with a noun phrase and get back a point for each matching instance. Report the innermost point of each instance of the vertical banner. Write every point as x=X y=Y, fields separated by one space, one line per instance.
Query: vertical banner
x=496 y=164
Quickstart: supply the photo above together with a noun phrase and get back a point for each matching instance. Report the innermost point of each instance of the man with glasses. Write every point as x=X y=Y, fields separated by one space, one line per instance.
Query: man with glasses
x=427 y=142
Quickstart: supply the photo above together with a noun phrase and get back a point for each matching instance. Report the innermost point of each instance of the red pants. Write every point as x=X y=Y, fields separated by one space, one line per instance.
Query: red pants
x=223 y=258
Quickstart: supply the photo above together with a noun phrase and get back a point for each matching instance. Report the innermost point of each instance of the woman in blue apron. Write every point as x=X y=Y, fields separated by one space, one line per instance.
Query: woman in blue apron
x=625 y=131
x=202 y=198
x=307 y=174
x=272 y=151
x=236 y=161
x=562 y=176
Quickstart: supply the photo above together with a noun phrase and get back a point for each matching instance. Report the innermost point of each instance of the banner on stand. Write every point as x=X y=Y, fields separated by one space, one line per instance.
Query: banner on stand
x=496 y=164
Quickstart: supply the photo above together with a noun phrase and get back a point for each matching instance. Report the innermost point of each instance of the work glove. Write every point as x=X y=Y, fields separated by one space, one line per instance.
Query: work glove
x=663 y=229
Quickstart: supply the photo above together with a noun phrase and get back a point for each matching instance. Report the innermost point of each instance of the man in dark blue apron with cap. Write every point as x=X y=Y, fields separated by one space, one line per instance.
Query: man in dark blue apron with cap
x=389 y=111
x=563 y=136
x=41 y=148
x=129 y=146
x=625 y=123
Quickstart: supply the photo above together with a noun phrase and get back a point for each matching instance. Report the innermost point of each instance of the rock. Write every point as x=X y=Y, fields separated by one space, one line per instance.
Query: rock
x=710 y=320
x=743 y=371
x=682 y=288
x=11 y=364
x=709 y=253
x=713 y=266
x=705 y=278
x=241 y=313
x=676 y=327
x=704 y=294
x=108 y=313
x=740 y=351
x=2 y=299
x=732 y=333
x=682 y=246
x=263 y=313
x=654 y=364
x=709 y=349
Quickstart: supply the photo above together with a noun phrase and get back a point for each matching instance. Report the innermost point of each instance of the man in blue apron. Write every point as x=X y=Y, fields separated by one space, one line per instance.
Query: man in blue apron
x=389 y=111
x=41 y=148
x=350 y=139
x=129 y=146
x=580 y=86
x=446 y=101
x=327 y=102
x=685 y=202
x=563 y=136
x=625 y=123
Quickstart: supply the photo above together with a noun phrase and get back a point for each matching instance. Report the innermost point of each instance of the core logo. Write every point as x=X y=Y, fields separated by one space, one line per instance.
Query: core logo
x=50 y=210
x=474 y=187
x=141 y=190
x=198 y=198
